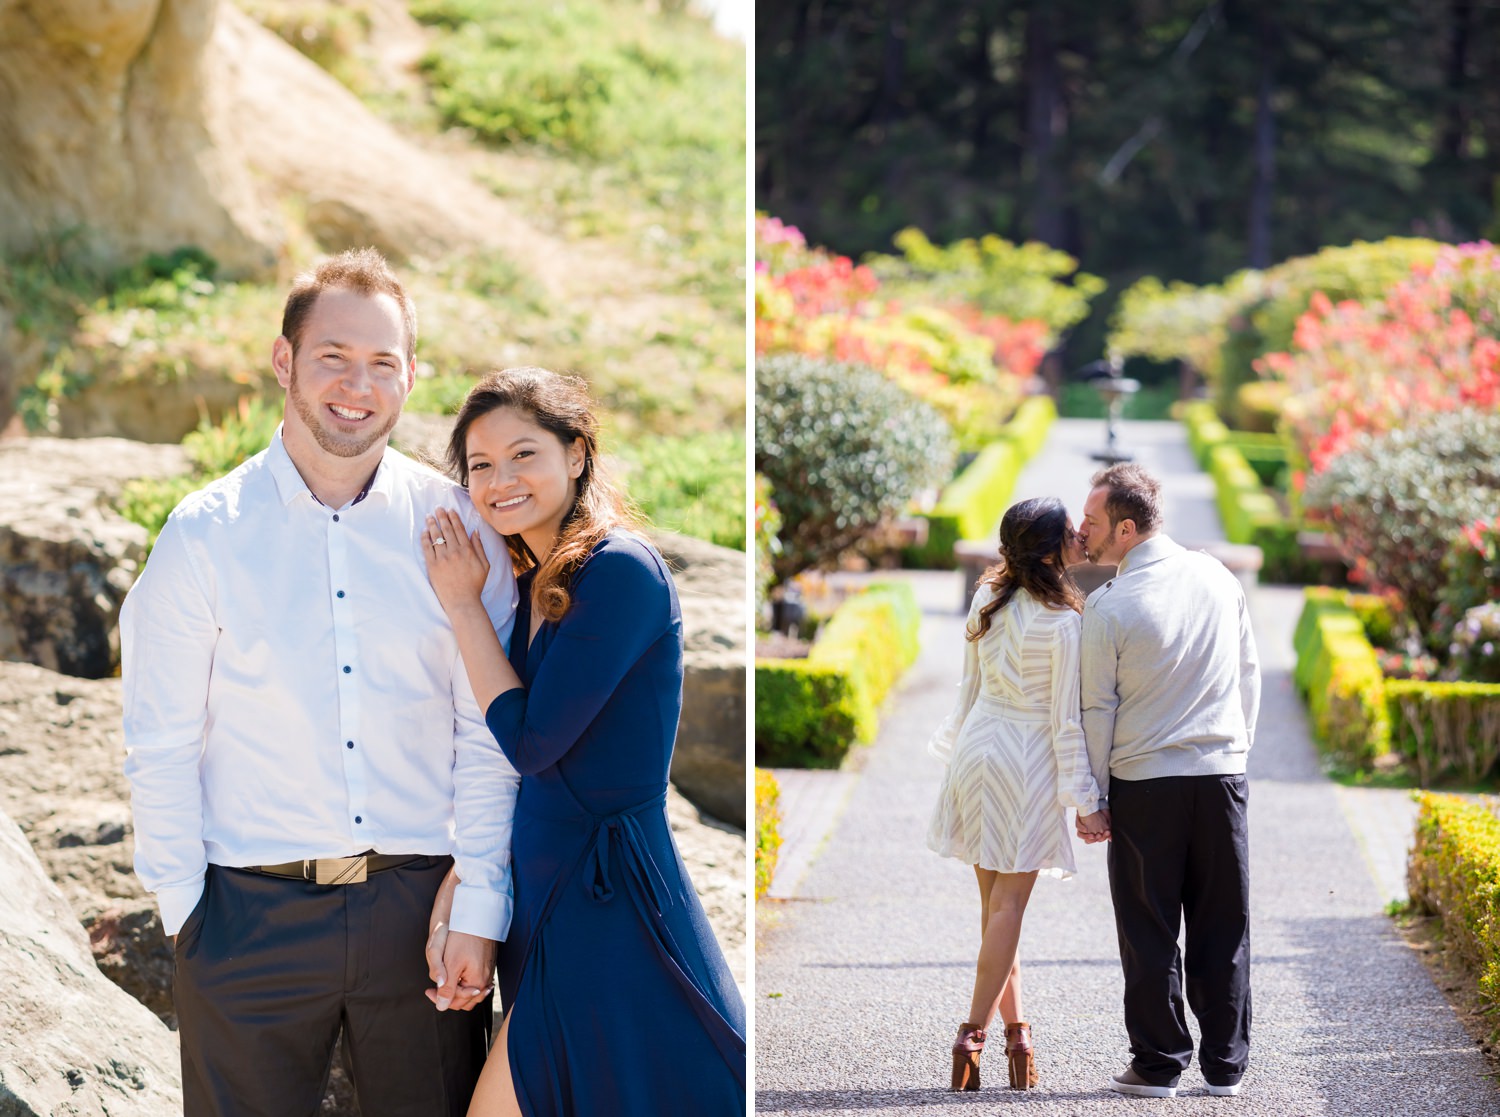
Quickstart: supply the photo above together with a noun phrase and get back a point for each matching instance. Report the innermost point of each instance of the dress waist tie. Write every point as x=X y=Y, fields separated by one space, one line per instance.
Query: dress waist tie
x=617 y=840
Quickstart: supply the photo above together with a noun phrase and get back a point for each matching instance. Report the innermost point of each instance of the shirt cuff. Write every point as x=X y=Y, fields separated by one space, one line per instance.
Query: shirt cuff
x=177 y=903
x=478 y=911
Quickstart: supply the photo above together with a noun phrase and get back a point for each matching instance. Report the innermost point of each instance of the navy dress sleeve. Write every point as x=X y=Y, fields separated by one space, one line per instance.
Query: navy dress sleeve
x=621 y=607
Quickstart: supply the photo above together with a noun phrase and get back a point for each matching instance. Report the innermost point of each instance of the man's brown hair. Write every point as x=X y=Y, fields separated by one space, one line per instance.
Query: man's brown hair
x=1133 y=495
x=361 y=270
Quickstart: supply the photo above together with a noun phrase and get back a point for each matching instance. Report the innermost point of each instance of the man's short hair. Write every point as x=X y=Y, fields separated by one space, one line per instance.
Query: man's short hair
x=361 y=270
x=1133 y=495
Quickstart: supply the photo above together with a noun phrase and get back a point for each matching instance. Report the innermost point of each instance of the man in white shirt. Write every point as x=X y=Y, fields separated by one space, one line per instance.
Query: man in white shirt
x=1170 y=693
x=305 y=756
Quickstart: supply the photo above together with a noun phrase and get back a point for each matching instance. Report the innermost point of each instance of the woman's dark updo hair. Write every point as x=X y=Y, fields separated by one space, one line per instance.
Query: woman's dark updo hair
x=1030 y=532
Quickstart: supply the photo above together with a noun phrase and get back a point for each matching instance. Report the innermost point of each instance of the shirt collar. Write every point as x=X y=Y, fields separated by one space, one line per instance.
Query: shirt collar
x=1155 y=549
x=290 y=485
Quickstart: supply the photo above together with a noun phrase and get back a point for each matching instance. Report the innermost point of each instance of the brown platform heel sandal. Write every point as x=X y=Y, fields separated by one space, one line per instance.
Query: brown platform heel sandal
x=966 y=1051
x=1018 y=1053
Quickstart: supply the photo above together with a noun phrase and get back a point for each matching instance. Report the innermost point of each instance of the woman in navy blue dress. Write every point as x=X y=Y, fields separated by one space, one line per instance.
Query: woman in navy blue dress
x=617 y=998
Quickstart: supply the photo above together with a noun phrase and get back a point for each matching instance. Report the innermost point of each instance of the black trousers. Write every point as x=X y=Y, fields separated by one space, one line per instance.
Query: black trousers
x=267 y=972
x=1181 y=850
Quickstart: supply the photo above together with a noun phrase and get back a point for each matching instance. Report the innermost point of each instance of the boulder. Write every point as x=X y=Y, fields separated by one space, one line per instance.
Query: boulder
x=708 y=764
x=105 y=125
x=135 y=126
x=67 y=558
x=70 y=1040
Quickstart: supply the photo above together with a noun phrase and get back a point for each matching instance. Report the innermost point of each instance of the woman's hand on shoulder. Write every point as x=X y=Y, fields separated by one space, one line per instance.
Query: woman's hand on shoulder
x=456 y=563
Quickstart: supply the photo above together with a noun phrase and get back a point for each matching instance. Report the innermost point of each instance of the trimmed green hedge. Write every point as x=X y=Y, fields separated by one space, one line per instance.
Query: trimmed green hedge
x=1028 y=427
x=1249 y=514
x=1244 y=505
x=1440 y=730
x=1265 y=453
x=1454 y=873
x=1338 y=674
x=767 y=829
x=973 y=502
x=1445 y=730
x=1204 y=428
x=808 y=712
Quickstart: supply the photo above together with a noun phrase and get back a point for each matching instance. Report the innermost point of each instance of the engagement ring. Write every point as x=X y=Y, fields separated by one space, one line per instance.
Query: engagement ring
x=439 y=541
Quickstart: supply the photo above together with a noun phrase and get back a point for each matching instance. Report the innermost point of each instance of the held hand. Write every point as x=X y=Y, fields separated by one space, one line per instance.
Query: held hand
x=456 y=563
x=468 y=964
x=437 y=930
x=1094 y=827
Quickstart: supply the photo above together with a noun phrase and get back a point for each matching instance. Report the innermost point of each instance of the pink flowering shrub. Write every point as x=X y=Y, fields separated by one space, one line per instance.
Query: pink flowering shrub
x=1430 y=344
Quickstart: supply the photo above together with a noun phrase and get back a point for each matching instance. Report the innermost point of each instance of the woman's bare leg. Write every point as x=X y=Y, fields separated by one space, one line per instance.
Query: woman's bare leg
x=998 y=948
x=1010 y=996
x=1009 y=1001
x=495 y=1095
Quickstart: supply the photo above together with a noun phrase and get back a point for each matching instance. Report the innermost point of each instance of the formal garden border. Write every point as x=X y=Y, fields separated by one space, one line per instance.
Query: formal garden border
x=810 y=712
x=1439 y=730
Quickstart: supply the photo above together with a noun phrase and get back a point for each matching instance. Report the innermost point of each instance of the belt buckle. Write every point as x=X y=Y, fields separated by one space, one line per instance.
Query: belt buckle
x=341 y=870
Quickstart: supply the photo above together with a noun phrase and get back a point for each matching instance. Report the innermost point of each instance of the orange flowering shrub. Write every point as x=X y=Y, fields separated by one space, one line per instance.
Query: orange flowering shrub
x=970 y=365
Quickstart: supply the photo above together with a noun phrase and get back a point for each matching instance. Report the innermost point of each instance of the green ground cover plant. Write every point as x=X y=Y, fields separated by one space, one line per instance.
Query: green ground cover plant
x=694 y=485
x=653 y=101
x=661 y=192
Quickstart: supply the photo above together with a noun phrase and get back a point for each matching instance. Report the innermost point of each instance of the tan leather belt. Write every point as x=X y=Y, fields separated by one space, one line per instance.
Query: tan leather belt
x=335 y=870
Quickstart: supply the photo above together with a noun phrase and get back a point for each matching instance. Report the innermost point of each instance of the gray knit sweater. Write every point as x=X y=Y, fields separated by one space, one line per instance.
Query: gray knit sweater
x=1171 y=680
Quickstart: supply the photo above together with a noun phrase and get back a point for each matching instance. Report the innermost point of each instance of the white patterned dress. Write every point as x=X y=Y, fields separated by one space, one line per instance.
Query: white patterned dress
x=1014 y=744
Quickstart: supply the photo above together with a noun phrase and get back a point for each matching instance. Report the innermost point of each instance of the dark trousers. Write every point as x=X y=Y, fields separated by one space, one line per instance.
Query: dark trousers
x=267 y=972
x=1181 y=850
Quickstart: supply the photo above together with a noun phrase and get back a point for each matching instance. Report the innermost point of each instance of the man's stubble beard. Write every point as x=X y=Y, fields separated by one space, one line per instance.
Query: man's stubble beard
x=1093 y=554
x=342 y=446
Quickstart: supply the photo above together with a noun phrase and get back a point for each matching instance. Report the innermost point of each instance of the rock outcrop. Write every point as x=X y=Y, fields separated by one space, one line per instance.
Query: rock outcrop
x=70 y=1041
x=708 y=764
x=67 y=558
x=137 y=126
x=105 y=115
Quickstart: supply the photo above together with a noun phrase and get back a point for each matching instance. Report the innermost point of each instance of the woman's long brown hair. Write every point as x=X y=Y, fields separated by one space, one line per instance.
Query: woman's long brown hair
x=1030 y=532
x=560 y=405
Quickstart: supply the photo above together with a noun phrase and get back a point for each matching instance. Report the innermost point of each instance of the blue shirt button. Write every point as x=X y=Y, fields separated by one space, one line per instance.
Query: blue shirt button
x=349 y=744
x=347 y=669
x=335 y=517
x=341 y=593
x=357 y=818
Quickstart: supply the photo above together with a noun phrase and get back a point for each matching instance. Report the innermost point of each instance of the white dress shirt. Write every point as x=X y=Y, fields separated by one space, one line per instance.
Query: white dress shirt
x=292 y=689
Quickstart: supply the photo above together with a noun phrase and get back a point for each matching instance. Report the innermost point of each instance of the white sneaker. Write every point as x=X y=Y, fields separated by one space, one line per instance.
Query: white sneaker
x=1128 y=1082
x=1223 y=1091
